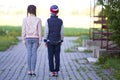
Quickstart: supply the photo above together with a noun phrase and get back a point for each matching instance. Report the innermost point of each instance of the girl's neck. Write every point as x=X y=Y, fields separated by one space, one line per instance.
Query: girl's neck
x=29 y=14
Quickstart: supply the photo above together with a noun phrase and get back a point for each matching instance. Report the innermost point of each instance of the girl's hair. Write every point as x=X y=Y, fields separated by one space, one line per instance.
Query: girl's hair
x=31 y=9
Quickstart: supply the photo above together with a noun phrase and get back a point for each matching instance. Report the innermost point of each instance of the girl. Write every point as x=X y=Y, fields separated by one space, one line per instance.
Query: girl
x=32 y=37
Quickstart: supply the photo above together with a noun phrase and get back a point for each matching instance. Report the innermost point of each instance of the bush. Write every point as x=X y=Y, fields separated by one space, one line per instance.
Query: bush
x=2 y=32
x=112 y=12
x=7 y=41
x=112 y=63
x=8 y=36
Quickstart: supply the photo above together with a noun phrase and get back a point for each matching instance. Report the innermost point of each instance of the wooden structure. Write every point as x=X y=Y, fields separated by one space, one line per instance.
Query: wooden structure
x=102 y=33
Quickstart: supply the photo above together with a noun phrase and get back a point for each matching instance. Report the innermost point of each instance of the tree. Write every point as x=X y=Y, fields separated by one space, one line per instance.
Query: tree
x=112 y=12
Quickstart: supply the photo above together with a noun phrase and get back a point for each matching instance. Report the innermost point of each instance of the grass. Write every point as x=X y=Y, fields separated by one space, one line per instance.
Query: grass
x=111 y=63
x=9 y=34
x=6 y=41
x=69 y=50
x=75 y=31
x=87 y=51
x=81 y=38
x=79 y=43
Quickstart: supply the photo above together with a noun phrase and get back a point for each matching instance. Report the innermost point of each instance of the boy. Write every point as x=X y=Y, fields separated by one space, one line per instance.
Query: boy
x=53 y=38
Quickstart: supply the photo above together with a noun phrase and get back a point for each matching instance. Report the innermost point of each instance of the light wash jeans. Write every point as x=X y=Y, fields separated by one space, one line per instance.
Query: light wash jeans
x=31 y=45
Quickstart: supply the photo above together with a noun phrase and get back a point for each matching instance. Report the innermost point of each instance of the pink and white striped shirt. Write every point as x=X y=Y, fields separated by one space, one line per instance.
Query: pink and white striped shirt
x=31 y=28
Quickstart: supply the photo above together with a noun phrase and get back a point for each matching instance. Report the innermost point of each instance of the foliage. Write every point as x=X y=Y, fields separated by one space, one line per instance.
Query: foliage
x=79 y=43
x=112 y=12
x=70 y=50
x=112 y=63
x=6 y=42
x=2 y=32
x=87 y=51
x=10 y=30
x=103 y=59
x=81 y=38
x=75 y=31
x=8 y=36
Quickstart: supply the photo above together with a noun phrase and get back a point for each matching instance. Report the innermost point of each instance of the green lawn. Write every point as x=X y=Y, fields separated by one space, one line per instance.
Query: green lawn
x=9 y=34
x=75 y=31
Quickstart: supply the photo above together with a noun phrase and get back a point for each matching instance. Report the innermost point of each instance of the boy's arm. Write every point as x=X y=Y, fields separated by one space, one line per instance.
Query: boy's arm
x=62 y=33
x=46 y=32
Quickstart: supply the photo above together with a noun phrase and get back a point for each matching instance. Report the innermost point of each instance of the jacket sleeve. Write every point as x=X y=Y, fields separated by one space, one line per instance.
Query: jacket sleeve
x=23 y=31
x=62 y=33
x=46 y=32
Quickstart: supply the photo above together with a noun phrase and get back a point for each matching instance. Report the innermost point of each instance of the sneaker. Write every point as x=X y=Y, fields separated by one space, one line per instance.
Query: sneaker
x=56 y=74
x=29 y=73
x=52 y=74
x=33 y=74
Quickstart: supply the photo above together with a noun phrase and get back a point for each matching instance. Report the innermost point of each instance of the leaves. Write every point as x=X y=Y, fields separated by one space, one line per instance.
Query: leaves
x=112 y=12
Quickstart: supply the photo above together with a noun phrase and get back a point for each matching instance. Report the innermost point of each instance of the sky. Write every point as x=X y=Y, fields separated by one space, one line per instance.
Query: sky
x=46 y=3
x=65 y=6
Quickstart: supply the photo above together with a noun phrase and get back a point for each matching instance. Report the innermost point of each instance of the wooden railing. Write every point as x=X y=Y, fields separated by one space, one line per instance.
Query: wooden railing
x=103 y=34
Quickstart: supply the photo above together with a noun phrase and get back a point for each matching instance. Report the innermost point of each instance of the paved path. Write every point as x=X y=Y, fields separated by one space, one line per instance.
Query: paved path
x=74 y=65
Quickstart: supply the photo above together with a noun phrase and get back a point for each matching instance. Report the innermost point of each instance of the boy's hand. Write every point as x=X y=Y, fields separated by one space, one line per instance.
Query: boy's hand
x=46 y=45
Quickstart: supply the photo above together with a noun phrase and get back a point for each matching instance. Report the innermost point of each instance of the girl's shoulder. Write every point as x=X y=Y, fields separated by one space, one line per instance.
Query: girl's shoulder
x=39 y=19
x=24 y=19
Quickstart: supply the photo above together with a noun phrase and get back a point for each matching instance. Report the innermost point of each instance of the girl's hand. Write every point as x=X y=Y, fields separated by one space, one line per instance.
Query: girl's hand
x=25 y=44
x=39 y=45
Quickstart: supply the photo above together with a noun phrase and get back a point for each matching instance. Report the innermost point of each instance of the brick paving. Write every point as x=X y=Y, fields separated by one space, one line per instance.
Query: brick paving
x=74 y=65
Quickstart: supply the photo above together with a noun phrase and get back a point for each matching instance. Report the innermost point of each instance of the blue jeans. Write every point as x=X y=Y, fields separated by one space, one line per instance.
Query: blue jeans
x=31 y=45
x=54 y=53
